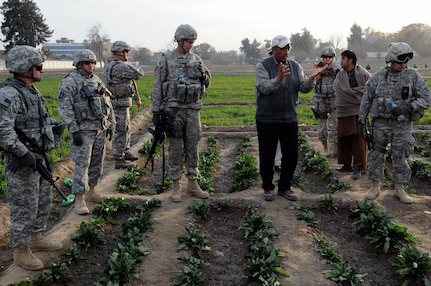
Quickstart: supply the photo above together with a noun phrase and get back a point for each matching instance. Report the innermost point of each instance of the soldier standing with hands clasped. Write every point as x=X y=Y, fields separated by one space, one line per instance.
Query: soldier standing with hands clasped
x=394 y=97
x=180 y=80
x=26 y=133
x=119 y=77
x=84 y=104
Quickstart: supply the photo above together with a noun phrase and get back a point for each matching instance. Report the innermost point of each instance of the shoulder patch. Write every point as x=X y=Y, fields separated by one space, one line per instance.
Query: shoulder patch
x=4 y=101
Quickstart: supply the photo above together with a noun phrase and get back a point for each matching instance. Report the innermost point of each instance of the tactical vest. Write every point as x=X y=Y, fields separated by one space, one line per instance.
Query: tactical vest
x=324 y=86
x=183 y=84
x=91 y=103
x=118 y=89
x=34 y=122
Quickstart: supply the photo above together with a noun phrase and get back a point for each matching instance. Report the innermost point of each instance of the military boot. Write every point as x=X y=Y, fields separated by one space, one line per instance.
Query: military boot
x=40 y=243
x=325 y=146
x=23 y=257
x=401 y=194
x=129 y=156
x=122 y=164
x=374 y=191
x=194 y=190
x=80 y=205
x=176 y=191
x=94 y=197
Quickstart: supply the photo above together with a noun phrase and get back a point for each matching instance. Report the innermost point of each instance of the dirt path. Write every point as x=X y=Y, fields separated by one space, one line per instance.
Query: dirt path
x=295 y=239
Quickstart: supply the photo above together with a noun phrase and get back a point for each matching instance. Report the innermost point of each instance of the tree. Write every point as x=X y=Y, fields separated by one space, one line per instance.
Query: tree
x=418 y=36
x=204 y=50
x=303 y=45
x=141 y=55
x=355 y=41
x=99 y=43
x=252 y=51
x=23 y=24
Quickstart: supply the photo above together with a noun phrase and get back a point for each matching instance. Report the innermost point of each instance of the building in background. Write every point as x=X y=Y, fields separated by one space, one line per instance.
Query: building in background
x=62 y=49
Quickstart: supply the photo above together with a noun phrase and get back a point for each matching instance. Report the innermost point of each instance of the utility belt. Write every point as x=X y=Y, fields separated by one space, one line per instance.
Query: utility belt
x=182 y=92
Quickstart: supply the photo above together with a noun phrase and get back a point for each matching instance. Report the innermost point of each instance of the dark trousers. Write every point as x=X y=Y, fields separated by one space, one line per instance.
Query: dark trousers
x=268 y=136
x=353 y=147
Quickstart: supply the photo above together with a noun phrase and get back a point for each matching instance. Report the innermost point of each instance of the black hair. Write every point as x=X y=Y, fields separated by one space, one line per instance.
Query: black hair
x=350 y=55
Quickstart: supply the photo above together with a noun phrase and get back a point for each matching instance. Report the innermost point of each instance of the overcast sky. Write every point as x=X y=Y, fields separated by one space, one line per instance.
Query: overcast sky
x=224 y=23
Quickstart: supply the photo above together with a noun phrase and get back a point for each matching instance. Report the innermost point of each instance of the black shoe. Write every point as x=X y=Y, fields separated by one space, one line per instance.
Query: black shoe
x=346 y=168
x=268 y=196
x=356 y=174
x=289 y=195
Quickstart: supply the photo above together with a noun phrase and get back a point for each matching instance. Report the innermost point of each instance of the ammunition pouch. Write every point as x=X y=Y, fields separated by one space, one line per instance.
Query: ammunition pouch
x=120 y=90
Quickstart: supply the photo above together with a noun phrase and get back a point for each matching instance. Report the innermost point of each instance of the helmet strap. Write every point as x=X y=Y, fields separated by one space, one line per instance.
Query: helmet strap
x=83 y=71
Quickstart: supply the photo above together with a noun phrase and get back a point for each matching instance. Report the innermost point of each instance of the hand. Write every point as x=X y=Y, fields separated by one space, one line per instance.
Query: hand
x=77 y=138
x=363 y=131
x=58 y=129
x=29 y=160
x=156 y=119
x=404 y=108
x=138 y=103
x=110 y=133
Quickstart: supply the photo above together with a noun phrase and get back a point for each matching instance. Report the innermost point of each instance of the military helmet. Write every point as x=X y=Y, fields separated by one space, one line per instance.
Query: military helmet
x=83 y=56
x=185 y=31
x=21 y=58
x=399 y=52
x=328 y=51
x=119 y=46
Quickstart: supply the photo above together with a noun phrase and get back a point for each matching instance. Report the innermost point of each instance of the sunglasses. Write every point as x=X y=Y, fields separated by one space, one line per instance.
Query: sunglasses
x=404 y=58
x=89 y=63
x=327 y=57
x=38 y=68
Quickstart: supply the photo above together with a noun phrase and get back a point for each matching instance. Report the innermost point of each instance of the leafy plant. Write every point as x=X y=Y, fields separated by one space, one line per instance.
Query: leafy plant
x=337 y=184
x=109 y=207
x=87 y=235
x=74 y=254
x=343 y=274
x=127 y=182
x=194 y=240
x=192 y=272
x=200 y=209
x=308 y=216
x=58 y=272
x=411 y=264
x=245 y=171
x=329 y=203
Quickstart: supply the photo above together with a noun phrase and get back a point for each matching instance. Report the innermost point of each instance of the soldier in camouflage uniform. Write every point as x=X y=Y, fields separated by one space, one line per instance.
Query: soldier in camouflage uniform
x=324 y=99
x=84 y=104
x=394 y=97
x=180 y=82
x=120 y=77
x=26 y=133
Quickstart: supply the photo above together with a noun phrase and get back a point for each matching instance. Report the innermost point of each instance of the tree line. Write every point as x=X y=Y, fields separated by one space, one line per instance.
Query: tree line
x=24 y=24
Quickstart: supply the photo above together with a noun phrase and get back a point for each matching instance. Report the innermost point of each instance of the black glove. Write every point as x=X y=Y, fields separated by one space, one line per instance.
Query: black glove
x=77 y=138
x=363 y=131
x=404 y=108
x=58 y=129
x=109 y=133
x=29 y=160
x=156 y=119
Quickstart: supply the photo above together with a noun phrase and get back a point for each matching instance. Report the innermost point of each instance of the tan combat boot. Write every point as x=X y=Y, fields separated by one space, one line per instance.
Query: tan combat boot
x=122 y=164
x=176 y=191
x=93 y=196
x=374 y=191
x=23 y=257
x=40 y=243
x=129 y=156
x=194 y=190
x=401 y=194
x=80 y=206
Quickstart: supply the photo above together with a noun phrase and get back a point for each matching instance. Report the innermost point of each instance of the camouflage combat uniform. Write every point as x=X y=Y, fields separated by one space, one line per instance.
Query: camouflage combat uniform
x=85 y=106
x=384 y=86
x=324 y=99
x=178 y=91
x=29 y=196
x=120 y=78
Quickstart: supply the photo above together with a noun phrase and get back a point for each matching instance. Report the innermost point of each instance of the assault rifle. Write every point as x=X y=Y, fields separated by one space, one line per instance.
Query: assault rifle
x=159 y=137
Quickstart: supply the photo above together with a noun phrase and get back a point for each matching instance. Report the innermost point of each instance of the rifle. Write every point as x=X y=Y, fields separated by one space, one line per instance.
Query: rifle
x=47 y=175
x=159 y=137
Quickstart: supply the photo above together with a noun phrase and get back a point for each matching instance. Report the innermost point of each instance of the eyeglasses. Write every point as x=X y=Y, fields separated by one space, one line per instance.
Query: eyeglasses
x=404 y=58
x=327 y=57
x=89 y=63
x=38 y=67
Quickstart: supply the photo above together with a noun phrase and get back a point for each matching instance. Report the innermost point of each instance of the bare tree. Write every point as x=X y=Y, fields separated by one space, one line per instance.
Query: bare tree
x=98 y=42
x=337 y=42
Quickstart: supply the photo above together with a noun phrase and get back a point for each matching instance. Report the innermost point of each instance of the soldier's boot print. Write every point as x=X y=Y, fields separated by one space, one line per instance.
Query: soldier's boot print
x=40 y=243
x=122 y=164
x=194 y=190
x=401 y=194
x=94 y=197
x=80 y=205
x=129 y=156
x=176 y=191
x=374 y=191
x=22 y=256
